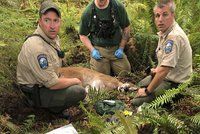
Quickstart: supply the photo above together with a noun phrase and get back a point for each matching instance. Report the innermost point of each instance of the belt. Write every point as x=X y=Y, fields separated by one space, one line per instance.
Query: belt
x=106 y=46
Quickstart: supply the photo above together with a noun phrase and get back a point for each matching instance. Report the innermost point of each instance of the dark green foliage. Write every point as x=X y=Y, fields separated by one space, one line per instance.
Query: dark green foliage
x=127 y=123
x=194 y=41
x=145 y=46
x=96 y=124
x=196 y=119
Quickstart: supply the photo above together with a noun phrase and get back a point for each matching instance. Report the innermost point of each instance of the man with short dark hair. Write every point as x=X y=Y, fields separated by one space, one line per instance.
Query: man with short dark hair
x=174 y=56
x=104 y=30
x=38 y=62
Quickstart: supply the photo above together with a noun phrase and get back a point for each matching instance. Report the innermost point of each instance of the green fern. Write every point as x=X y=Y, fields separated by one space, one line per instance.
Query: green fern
x=127 y=123
x=94 y=95
x=169 y=94
x=94 y=121
x=196 y=119
x=114 y=128
x=29 y=122
x=161 y=120
x=175 y=122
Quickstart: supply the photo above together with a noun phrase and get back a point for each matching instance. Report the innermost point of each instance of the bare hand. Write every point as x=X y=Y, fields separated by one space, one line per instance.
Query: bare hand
x=153 y=71
x=141 y=92
x=77 y=81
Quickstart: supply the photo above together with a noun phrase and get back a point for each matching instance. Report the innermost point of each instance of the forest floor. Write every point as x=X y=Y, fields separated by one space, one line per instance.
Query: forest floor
x=13 y=108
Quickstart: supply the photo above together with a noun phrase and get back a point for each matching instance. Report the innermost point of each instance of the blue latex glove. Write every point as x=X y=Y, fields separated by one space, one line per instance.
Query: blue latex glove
x=119 y=53
x=96 y=54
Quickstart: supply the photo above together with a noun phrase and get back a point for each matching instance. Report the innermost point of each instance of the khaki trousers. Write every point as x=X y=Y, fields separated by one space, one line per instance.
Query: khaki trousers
x=109 y=61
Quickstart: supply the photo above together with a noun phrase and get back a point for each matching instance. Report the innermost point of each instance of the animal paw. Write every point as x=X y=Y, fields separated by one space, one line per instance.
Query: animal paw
x=127 y=87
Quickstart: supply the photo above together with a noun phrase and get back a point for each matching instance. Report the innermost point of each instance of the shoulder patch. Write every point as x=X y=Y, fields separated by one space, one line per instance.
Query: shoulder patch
x=168 y=46
x=42 y=60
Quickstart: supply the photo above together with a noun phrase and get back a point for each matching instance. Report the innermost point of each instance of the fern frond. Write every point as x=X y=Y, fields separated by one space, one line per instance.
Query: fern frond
x=162 y=120
x=167 y=97
x=94 y=120
x=197 y=97
x=127 y=123
x=175 y=122
x=196 y=119
x=114 y=128
x=150 y=115
x=95 y=95
x=169 y=94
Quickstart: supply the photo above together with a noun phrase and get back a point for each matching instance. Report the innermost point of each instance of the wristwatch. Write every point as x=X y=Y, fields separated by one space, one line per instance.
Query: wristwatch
x=146 y=91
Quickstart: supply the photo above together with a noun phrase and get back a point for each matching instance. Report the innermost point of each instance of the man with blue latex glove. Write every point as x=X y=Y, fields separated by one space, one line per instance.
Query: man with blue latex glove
x=119 y=53
x=95 y=54
x=105 y=32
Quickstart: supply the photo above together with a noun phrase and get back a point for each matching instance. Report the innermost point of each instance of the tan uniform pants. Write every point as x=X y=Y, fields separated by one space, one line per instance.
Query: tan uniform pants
x=110 y=62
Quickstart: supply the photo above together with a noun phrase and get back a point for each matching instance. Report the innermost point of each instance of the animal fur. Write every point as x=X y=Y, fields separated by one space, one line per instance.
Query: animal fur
x=95 y=79
x=90 y=77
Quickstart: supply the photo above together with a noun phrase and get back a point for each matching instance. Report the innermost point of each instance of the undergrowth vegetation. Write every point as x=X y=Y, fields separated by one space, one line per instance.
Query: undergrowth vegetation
x=164 y=115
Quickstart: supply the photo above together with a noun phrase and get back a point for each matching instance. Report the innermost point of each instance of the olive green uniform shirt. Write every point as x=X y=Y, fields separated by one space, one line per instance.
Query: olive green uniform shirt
x=86 y=23
x=30 y=69
x=174 y=51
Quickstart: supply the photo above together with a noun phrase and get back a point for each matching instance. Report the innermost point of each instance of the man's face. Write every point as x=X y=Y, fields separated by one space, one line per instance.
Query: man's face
x=163 y=18
x=50 y=24
x=101 y=3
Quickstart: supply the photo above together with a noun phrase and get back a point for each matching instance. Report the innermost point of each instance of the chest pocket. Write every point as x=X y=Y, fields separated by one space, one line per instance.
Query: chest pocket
x=54 y=59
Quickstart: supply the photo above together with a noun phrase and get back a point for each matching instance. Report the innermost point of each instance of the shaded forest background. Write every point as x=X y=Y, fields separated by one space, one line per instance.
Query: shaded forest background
x=18 y=18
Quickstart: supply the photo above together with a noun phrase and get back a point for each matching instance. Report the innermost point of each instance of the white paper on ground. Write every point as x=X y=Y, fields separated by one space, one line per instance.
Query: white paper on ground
x=67 y=129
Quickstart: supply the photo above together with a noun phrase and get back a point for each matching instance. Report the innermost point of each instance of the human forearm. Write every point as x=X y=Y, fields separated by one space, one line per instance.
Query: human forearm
x=160 y=74
x=125 y=37
x=86 y=42
x=65 y=82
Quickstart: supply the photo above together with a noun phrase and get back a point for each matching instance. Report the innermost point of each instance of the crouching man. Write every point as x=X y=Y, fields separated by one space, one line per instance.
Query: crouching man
x=173 y=52
x=38 y=61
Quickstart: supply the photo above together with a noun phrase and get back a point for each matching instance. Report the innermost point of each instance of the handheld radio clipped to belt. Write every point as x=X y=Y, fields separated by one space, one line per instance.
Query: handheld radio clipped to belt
x=60 y=53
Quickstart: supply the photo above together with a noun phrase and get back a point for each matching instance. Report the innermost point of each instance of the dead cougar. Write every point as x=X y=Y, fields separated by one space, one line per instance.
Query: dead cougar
x=93 y=78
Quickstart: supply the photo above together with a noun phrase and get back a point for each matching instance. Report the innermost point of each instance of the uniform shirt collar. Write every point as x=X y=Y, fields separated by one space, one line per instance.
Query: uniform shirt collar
x=40 y=31
x=164 y=35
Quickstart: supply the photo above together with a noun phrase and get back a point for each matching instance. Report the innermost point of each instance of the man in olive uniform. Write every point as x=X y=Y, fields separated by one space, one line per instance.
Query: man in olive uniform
x=173 y=52
x=38 y=61
x=104 y=30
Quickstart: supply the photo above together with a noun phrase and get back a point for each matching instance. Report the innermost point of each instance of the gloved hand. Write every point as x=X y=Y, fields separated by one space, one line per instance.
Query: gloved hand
x=96 y=54
x=119 y=53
